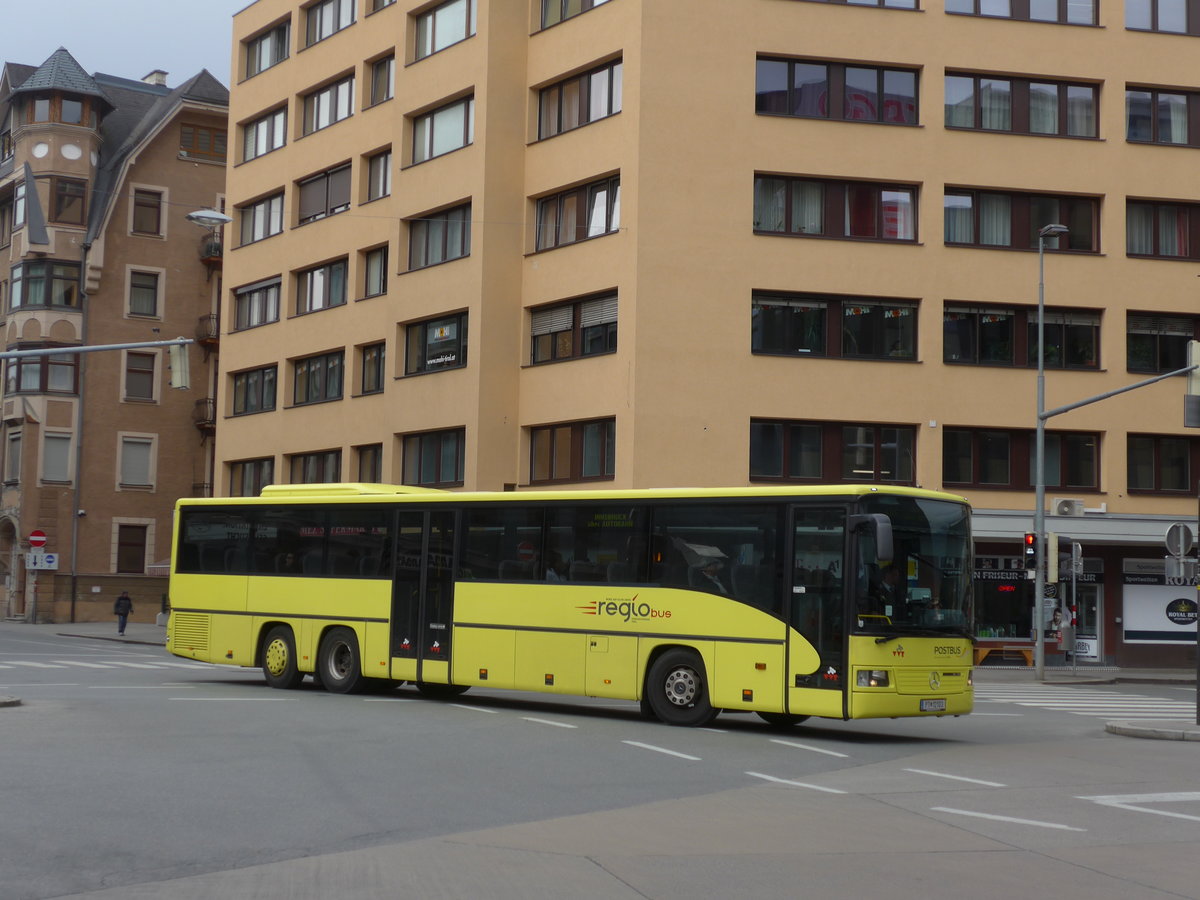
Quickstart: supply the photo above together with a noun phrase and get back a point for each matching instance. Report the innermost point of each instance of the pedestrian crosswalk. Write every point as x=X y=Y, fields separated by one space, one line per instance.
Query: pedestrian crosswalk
x=97 y=664
x=1083 y=701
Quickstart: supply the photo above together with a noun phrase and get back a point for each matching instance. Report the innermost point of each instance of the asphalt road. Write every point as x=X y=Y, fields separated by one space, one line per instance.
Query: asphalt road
x=131 y=774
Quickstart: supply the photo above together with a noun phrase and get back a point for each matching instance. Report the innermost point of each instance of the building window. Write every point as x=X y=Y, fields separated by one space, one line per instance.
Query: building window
x=574 y=451
x=1007 y=336
x=68 y=203
x=1160 y=462
x=820 y=325
x=147 y=212
x=268 y=49
x=437 y=344
x=1171 y=16
x=571 y=330
x=198 y=142
x=580 y=100
x=55 y=374
x=444 y=25
x=1005 y=458
x=139 y=375
x=383 y=79
x=12 y=458
x=256 y=304
x=854 y=209
x=821 y=90
x=327 y=17
x=137 y=454
x=328 y=105
x=1162 y=117
x=1157 y=344
x=324 y=467
x=264 y=134
x=993 y=219
x=56 y=457
x=262 y=218
x=555 y=11
x=434 y=459
x=1020 y=105
x=325 y=194
x=1163 y=230
x=439 y=237
x=1064 y=12
x=375 y=268
x=449 y=128
x=254 y=391
x=131 y=549
x=317 y=378
x=372 y=368
x=248 y=477
x=370 y=463
x=18 y=204
x=321 y=287
x=377 y=5
x=831 y=451
x=379 y=175
x=143 y=293
x=44 y=283
x=584 y=212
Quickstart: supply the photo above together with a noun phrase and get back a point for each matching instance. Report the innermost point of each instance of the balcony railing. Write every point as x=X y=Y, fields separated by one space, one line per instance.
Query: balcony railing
x=204 y=414
x=208 y=329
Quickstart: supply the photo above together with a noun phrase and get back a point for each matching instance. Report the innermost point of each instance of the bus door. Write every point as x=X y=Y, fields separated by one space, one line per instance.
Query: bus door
x=816 y=609
x=423 y=595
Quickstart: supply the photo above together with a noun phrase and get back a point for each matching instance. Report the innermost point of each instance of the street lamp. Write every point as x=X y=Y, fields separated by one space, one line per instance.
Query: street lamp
x=1039 y=456
x=208 y=218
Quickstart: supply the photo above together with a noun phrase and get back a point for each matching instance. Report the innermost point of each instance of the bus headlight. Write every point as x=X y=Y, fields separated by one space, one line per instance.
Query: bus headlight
x=874 y=678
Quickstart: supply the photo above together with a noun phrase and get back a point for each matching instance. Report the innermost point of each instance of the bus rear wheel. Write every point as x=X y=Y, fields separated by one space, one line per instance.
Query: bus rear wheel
x=781 y=720
x=339 y=663
x=279 y=659
x=678 y=690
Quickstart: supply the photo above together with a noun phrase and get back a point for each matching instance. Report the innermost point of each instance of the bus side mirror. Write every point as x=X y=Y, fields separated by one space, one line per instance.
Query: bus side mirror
x=881 y=527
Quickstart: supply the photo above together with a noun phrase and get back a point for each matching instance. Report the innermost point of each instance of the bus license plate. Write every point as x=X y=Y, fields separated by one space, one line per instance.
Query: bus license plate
x=933 y=706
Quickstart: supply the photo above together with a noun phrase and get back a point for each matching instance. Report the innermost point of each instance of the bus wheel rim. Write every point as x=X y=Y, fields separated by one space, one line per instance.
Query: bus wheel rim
x=339 y=660
x=682 y=685
x=277 y=657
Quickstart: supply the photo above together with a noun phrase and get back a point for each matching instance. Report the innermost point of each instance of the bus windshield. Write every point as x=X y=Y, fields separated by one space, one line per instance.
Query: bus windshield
x=925 y=588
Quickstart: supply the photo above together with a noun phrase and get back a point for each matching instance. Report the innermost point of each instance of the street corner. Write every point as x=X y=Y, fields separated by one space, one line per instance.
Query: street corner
x=1160 y=730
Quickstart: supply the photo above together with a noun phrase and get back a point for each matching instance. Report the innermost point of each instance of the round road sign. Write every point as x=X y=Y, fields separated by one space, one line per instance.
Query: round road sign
x=1179 y=539
x=37 y=539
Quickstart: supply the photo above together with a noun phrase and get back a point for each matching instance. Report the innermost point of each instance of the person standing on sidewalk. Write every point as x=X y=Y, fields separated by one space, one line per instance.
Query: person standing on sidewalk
x=122 y=607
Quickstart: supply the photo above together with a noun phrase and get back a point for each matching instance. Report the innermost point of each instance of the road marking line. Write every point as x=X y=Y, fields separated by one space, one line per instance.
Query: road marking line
x=809 y=747
x=956 y=777
x=475 y=708
x=714 y=730
x=811 y=787
x=387 y=699
x=39 y=684
x=34 y=665
x=548 y=722
x=1000 y=715
x=132 y=665
x=88 y=665
x=979 y=815
x=138 y=687
x=244 y=699
x=1131 y=801
x=660 y=750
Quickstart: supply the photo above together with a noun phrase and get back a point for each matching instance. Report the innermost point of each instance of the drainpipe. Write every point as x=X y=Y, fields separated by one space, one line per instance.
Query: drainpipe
x=80 y=370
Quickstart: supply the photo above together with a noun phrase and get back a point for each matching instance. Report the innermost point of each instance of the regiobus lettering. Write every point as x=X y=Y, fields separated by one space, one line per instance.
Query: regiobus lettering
x=625 y=610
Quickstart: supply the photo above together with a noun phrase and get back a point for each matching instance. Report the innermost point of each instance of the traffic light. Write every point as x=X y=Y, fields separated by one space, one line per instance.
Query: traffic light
x=1030 y=550
x=1057 y=563
x=181 y=375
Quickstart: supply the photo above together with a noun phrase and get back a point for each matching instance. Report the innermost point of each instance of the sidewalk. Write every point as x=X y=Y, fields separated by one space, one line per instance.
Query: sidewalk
x=135 y=632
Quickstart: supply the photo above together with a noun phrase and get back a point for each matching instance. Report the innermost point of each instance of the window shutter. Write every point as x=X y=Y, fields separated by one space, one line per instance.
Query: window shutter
x=548 y=321
x=312 y=198
x=598 y=312
x=135 y=461
x=339 y=188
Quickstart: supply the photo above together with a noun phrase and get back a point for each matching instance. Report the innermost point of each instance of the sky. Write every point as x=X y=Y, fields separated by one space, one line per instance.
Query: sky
x=129 y=38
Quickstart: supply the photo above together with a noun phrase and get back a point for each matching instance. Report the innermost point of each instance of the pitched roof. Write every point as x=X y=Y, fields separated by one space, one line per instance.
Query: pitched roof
x=61 y=73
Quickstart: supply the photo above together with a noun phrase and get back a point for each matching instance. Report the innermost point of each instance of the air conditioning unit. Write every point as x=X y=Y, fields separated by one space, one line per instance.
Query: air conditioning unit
x=1064 y=506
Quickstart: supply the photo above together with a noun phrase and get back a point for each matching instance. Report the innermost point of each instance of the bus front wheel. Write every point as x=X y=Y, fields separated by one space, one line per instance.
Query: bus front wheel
x=339 y=663
x=677 y=689
x=279 y=659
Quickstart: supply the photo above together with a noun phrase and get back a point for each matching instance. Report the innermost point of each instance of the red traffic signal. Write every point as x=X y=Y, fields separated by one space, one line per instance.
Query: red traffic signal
x=1030 y=550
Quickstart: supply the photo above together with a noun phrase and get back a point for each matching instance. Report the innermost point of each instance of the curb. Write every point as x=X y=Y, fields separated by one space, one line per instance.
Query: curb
x=1160 y=731
x=9 y=701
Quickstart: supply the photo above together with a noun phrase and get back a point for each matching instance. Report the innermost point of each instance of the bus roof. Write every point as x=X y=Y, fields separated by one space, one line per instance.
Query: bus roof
x=366 y=493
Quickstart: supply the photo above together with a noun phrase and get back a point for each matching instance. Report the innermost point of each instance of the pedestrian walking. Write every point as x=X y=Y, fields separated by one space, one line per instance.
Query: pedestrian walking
x=122 y=607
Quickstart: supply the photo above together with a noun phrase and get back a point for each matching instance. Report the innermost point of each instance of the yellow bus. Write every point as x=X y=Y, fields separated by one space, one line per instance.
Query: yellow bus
x=840 y=601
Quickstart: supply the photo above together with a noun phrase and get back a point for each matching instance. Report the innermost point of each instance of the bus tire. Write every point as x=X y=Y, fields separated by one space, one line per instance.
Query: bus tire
x=279 y=659
x=438 y=691
x=339 y=663
x=678 y=690
x=781 y=720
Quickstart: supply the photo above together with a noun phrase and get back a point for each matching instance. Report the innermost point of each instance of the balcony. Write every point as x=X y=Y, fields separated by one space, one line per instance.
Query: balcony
x=204 y=415
x=208 y=331
x=211 y=251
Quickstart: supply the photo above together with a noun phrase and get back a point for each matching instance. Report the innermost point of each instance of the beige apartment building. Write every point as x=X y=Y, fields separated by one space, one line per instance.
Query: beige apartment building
x=639 y=243
x=97 y=176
